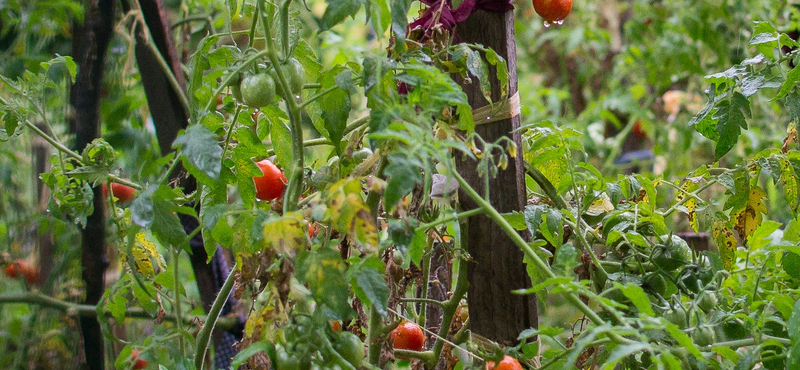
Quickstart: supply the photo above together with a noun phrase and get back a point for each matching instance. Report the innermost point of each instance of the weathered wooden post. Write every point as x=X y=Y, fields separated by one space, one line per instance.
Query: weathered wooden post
x=497 y=266
x=89 y=49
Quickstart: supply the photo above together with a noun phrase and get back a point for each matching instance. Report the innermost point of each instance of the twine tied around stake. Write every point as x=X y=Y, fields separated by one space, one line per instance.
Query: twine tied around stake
x=492 y=113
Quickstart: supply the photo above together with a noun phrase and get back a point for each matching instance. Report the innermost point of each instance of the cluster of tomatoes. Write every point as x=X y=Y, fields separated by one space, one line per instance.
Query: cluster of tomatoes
x=259 y=89
x=20 y=269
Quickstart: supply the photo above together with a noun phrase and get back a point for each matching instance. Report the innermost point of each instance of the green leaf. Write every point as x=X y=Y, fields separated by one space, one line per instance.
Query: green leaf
x=566 y=260
x=516 y=219
x=380 y=15
x=281 y=137
x=745 y=363
x=117 y=306
x=533 y=216
x=553 y=227
x=638 y=297
x=791 y=82
x=335 y=106
x=625 y=351
x=142 y=213
x=324 y=273
x=477 y=68
x=368 y=283
x=242 y=356
x=402 y=232
x=9 y=126
x=166 y=224
x=403 y=175
x=399 y=24
x=684 y=341
x=337 y=11
x=200 y=153
x=793 y=326
x=502 y=71
x=731 y=117
x=764 y=33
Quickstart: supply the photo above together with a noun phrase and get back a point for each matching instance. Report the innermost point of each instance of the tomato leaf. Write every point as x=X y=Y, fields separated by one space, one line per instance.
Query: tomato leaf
x=281 y=137
x=403 y=175
x=638 y=297
x=337 y=11
x=200 y=153
x=368 y=283
x=726 y=243
x=793 y=360
x=324 y=272
x=684 y=341
x=285 y=234
x=749 y=218
x=399 y=24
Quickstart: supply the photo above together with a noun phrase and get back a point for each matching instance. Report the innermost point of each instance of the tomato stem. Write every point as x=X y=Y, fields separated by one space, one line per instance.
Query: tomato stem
x=204 y=337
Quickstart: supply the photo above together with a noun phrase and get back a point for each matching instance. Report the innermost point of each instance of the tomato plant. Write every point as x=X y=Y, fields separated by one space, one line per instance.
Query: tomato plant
x=656 y=149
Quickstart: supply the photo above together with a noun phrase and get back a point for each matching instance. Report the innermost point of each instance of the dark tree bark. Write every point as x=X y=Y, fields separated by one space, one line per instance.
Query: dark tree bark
x=89 y=50
x=497 y=265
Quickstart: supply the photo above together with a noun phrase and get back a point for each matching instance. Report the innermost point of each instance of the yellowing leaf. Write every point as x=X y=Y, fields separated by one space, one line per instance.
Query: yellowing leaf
x=691 y=206
x=285 y=234
x=726 y=243
x=144 y=253
x=350 y=214
x=790 y=183
x=600 y=205
x=748 y=218
x=687 y=187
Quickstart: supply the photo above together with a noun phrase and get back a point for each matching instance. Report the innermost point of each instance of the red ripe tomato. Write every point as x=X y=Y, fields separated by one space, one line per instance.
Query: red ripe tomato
x=124 y=193
x=638 y=131
x=22 y=269
x=508 y=363
x=271 y=185
x=553 y=11
x=138 y=363
x=408 y=335
x=13 y=270
x=336 y=325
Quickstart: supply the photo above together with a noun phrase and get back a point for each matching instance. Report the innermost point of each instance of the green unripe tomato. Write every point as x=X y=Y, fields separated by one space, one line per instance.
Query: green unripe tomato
x=673 y=254
x=708 y=301
x=295 y=75
x=704 y=336
x=287 y=361
x=655 y=284
x=677 y=316
x=258 y=90
x=350 y=348
x=733 y=329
